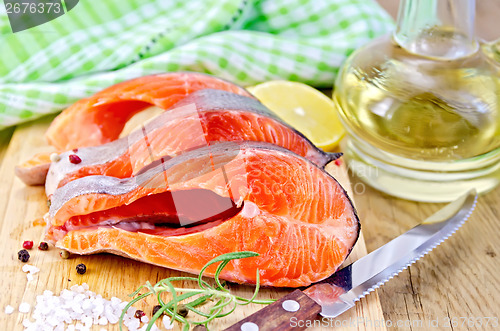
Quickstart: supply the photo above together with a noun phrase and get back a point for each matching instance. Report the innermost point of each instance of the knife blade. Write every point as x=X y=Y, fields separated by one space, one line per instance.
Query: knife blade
x=338 y=293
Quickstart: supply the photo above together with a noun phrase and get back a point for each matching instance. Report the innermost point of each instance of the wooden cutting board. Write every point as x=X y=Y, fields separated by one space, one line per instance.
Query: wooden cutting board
x=107 y=275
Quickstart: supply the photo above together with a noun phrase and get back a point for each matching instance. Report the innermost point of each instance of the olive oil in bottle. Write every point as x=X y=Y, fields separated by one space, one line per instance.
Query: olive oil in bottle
x=422 y=107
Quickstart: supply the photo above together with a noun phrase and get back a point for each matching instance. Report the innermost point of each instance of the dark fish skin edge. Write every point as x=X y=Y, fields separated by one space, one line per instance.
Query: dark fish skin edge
x=329 y=156
x=222 y=100
x=333 y=156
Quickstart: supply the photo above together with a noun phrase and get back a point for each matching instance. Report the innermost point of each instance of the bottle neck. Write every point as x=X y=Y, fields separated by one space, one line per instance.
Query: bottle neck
x=437 y=28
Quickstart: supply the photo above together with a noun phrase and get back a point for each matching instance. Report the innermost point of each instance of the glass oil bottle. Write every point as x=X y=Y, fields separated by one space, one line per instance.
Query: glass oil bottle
x=422 y=107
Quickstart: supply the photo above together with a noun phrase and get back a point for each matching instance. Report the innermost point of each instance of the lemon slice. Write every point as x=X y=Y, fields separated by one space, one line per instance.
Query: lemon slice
x=303 y=107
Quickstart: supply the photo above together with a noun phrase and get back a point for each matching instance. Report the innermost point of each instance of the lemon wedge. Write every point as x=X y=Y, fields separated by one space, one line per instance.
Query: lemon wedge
x=303 y=107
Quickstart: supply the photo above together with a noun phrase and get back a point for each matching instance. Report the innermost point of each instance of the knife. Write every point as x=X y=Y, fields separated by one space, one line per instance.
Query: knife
x=338 y=293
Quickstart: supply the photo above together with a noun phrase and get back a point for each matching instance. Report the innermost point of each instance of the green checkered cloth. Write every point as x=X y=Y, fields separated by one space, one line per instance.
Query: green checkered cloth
x=99 y=43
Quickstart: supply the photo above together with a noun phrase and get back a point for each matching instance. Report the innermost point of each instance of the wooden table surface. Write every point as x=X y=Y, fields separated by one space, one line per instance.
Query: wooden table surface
x=108 y=275
x=456 y=286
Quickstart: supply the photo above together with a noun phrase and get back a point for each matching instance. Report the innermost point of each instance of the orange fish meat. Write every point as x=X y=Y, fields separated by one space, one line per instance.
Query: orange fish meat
x=101 y=118
x=200 y=119
x=183 y=211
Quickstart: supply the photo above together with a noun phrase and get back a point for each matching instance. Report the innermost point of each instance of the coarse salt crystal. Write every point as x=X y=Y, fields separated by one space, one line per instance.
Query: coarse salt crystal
x=9 y=309
x=103 y=321
x=98 y=309
x=76 y=307
x=87 y=304
x=134 y=324
x=37 y=316
x=144 y=327
x=79 y=297
x=52 y=321
x=66 y=295
x=48 y=293
x=87 y=321
x=30 y=268
x=167 y=323
x=24 y=308
x=115 y=302
x=45 y=310
x=59 y=312
x=113 y=319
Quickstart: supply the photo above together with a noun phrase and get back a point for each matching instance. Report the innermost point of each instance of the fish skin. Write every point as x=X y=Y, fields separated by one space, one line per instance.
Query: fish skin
x=34 y=171
x=302 y=235
x=100 y=118
x=201 y=118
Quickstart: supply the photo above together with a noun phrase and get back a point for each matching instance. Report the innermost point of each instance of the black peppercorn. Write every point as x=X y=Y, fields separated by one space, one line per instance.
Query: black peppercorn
x=43 y=246
x=156 y=308
x=23 y=255
x=182 y=310
x=81 y=268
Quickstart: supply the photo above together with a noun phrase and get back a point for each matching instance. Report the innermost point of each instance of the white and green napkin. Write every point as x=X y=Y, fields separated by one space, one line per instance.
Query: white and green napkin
x=98 y=43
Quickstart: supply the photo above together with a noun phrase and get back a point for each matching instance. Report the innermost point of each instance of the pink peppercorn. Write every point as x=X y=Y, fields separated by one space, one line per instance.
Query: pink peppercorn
x=139 y=314
x=28 y=244
x=75 y=159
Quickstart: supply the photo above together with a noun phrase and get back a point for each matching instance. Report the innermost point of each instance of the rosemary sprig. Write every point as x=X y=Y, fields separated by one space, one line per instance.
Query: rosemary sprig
x=225 y=302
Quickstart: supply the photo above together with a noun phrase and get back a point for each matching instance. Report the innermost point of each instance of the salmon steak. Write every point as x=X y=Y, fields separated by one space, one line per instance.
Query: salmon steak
x=101 y=118
x=180 y=212
x=198 y=120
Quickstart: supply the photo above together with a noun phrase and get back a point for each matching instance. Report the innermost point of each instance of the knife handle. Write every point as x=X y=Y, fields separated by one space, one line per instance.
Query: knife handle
x=278 y=315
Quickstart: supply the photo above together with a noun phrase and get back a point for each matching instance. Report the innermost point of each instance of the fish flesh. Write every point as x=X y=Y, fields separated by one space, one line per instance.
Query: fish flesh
x=230 y=196
x=100 y=118
x=204 y=117
x=181 y=212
